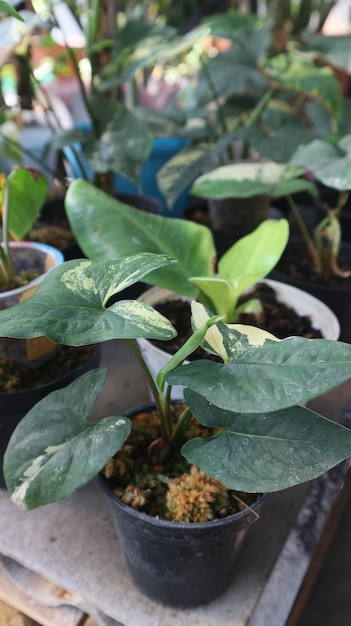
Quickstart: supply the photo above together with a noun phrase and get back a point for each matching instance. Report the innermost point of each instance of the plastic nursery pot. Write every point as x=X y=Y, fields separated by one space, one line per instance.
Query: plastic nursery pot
x=164 y=148
x=179 y=564
x=15 y=404
x=38 y=258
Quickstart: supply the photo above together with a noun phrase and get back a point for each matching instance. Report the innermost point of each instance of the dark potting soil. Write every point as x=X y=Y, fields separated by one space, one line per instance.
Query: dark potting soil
x=51 y=234
x=16 y=377
x=296 y=264
x=277 y=318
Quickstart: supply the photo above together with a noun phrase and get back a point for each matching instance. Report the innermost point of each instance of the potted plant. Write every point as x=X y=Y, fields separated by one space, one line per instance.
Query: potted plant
x=106 y=228
x=249 y=402
x=282 y=97
x=29 y=368
x=315 y=267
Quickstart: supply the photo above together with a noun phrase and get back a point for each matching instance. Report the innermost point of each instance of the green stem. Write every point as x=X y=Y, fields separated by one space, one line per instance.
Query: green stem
x=6 y=265
x=14 y=144
x=220 y=113
x=260 y=107
x=178 y=434
x=342 y=198
x=312 y=249
x=159 y=400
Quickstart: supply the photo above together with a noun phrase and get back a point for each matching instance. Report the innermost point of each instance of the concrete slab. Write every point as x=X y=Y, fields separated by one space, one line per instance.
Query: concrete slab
x=73 y=543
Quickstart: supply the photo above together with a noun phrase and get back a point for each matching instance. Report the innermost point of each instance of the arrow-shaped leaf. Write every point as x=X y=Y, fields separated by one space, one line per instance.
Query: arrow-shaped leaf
x=265 y=451
x=273 y=376
x=70 y=305
x=49 y=457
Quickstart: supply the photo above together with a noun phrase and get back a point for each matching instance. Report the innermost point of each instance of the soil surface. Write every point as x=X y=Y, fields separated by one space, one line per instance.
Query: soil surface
x=296 y=263
x=15 y=377
x=277 y=318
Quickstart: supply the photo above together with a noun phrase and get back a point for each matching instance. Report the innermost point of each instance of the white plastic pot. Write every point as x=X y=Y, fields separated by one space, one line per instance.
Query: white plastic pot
x=39 y=258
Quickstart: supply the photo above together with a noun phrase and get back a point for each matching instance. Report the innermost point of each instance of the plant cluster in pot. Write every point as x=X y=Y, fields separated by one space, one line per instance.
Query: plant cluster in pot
x=25 y=365
x=106 y=229
x=268 y=108
x=319 y=262
x=282 y=97
x=242 y=428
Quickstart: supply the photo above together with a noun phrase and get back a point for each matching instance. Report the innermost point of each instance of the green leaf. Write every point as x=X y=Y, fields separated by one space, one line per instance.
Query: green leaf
x=27 y=193
x=331 y=164
x=123 y=147
x=5 y=7
x=244 y=180
x=299 y=73
x=221 y=295
x=273 y=376
x=255 y=255
x=182 y=169
x=265 y=452
x=70 y=305
x=46 y=460
x=334 y=50
x=106 y=228
x=279 y=132
x=10 y=146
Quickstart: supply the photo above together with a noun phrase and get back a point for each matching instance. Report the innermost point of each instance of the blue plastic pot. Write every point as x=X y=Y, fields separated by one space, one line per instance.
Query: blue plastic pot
x=164 y=148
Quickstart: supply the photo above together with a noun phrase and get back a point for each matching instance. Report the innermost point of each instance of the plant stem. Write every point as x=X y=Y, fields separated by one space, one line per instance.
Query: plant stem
x=220 y=112
x=260 y=107
x=342 y=199
x=159 y=401
x=312 y=249
x=178 y=433
x=10 y=142
x=6 y=265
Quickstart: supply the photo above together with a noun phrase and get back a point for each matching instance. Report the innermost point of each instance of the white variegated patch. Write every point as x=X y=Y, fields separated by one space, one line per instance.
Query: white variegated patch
x=75 y=279
x=213 y=336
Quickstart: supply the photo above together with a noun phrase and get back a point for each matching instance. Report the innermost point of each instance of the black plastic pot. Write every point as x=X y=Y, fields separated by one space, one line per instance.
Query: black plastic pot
x=179 y=564
x=337 y=298
x=14 y=405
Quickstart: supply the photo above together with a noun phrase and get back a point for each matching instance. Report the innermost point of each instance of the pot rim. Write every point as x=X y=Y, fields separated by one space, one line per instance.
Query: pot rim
x=49 y=251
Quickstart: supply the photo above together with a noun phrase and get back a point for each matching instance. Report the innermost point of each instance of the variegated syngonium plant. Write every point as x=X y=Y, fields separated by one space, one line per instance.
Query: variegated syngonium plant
x=267 y=441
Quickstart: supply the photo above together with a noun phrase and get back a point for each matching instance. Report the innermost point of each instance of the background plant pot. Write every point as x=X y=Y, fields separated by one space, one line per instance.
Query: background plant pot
x=302 y=302
x=38 y=258
x=180 y=564
x=239 y=214
x=336 y=297
x=15 y=404
x=164 y=148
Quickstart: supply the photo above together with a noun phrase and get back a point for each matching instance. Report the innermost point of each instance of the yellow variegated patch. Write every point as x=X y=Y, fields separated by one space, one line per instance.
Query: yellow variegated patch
x=75 y=279
x=256 y=336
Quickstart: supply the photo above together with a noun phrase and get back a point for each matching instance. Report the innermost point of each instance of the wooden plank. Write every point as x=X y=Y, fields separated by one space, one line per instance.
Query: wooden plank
x=44 y=615
x=291 y=568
